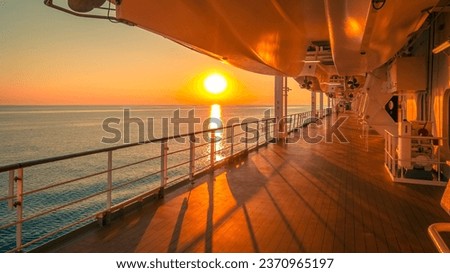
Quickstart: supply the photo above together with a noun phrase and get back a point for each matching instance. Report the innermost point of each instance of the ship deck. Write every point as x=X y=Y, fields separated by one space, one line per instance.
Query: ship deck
x=296 y=197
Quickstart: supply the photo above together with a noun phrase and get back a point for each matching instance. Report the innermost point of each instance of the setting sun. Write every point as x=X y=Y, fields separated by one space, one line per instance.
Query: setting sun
x=215 y=83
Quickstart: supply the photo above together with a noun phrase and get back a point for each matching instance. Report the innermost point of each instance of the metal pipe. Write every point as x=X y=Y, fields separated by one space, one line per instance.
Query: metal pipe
x=232 y=141
x=11 y=189
x=191 y=156
x=246 y=137
x=321 y=105
x=279 y=108
x=164 y=177
x=109 y=180
x=19 y=206
x=285 y=93
x=257 y=134
x=213 y=154
x=266 y=129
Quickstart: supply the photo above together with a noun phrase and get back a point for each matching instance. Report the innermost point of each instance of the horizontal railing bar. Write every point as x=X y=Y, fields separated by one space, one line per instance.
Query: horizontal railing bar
x=7 y=198
x=9 y=225
x=240 y=134
x=201 y=145
x=134 y=180
x=202 y=156
x=181 y=178
x=221 y=160
x=178 y=151
x=129 y=201
x=63 y=206
x=224 y=149
x=135 y=163
x=103 y=150
x=177 y=165
x=53 y=233
x=240 y=143
x=63 y=183
x=227 y=137
x=227 y=147
x=87 y=176
x=203 y=169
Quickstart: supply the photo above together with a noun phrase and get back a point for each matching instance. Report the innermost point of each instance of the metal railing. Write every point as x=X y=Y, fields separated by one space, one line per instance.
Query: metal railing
x=67 y=192
x=419 y=163
x=299 y=120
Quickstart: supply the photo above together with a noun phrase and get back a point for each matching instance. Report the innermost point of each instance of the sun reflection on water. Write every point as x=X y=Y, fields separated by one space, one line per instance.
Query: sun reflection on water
x=215 y=122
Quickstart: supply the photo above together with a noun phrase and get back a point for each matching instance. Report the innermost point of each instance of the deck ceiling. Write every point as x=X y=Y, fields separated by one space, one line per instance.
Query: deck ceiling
x=273 y=37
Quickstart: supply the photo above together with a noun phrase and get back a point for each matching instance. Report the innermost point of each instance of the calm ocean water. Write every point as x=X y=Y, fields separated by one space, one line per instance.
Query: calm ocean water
x=33 y=132
x=36 y=132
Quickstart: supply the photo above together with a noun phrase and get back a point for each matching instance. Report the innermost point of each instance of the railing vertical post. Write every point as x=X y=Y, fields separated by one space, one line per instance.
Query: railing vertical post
x=246 y=136
x=386 y=149
x=389 y=157
x=439 y=165
x=191 y=156
x=213 y=152
x=232 y=141
x=394 y=159
x=291 y=125
x=19 y=205
x=292 y=122
x=295 y=121
x=109 y=178
x=257 y=134
x=11 y=189
x=266 y=130
x=164 y=149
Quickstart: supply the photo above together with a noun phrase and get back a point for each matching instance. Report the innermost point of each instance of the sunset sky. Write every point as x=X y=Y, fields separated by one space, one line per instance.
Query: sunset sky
x=48 y=57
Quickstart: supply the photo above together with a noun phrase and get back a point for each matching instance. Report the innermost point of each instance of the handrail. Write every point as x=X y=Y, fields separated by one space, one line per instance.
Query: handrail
x=30 y=163
x=398 y=164
x=199 y=159
x=434 y=231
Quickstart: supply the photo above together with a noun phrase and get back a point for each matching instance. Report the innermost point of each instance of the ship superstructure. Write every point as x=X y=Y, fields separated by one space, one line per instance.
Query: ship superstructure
x=383 y=64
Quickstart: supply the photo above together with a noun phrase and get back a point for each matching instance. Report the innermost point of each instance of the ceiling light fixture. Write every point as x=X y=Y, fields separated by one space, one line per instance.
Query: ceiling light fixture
x=311 y=61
